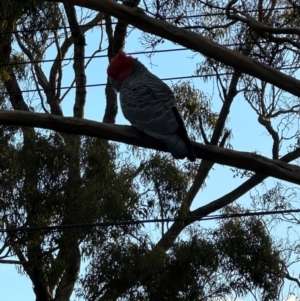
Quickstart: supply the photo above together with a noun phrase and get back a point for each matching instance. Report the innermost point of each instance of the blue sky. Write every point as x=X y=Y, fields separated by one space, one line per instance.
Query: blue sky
x=248 y=134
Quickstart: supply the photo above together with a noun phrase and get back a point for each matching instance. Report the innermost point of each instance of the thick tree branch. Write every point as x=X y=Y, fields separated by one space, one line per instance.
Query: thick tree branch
x=15 y=93
x=79 y=57
x=193 y=41
x=11 y=83
x=70 y=275
x=32 y=272
x=111 y=109
x=129 y=135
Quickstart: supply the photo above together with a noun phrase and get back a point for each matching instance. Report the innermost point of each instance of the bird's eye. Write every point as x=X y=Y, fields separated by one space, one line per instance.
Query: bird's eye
x=118 y=72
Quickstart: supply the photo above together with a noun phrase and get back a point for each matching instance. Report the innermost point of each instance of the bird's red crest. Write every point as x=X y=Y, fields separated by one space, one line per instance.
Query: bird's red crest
x=120 y=66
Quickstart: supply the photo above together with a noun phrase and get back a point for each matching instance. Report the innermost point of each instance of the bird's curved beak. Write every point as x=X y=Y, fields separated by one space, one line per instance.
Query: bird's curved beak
x=112 y=81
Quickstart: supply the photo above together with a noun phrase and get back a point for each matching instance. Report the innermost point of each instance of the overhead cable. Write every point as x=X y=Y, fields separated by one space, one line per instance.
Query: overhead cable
x=164 y=79
x=146 y=221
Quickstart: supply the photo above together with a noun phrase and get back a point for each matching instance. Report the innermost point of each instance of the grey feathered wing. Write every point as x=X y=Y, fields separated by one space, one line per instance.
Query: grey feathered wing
x=149 y=105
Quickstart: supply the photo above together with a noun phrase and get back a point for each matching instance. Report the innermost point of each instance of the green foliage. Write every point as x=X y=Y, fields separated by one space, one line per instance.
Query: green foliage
x=184 y=272
x=250 y=257
x=193 y=105
x=41 y=193
x=167 y=181
x=180 y=274
x=112 y=191
x=28 y=20
x=236 y=258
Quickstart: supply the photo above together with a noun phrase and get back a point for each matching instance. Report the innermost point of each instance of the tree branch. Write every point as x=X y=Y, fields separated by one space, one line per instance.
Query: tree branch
x=15 y=93
x=219 y=203
x=116 y=41
x=263 y=27
x=193 y=41
x=42 y=79
x=70 y=275
x=289 y=277
x=79 y=54
x=52 y=78
x=266 y=122
x=39 y=91
x=241 y=190
x=229 y=97
x=111 y=108
x=206 y=166
x=129 y=135
x=57 y=64
x=13 y=261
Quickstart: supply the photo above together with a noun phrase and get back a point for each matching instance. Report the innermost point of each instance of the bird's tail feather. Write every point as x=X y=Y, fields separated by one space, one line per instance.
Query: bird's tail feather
x=182 y=133
x=177 y=146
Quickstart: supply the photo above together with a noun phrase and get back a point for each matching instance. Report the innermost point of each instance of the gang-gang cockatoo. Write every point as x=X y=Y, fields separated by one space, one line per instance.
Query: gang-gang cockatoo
x=149 y=104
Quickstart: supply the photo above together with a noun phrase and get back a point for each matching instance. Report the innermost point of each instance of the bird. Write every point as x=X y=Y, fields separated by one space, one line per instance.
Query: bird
x=149 y=104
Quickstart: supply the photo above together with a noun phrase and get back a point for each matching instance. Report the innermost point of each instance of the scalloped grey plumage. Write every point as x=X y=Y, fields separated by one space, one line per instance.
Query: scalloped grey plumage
x=149 y=105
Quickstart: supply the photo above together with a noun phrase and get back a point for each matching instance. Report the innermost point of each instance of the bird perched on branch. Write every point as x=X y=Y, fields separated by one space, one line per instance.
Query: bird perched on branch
x=149 y=104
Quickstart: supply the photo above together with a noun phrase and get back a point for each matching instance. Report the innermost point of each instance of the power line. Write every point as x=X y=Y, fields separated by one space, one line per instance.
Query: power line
x=147 y=221
x=114 y=23
x=130 y=53
x=90 y=57
x=164 y=79
x=104 y=84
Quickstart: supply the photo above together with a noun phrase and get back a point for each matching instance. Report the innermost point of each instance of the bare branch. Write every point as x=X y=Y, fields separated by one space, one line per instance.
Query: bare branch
x=39 y=92
x=59 y=70
x=232 y=91
x=13 y=261
x=42 y=80
x=56 y=67
x=224 y=138
x=211 y=27
x=293 y=109
x=289 y=277
x=206 y=166
x=266 y=122
x=261 y=26
x=203 y=134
